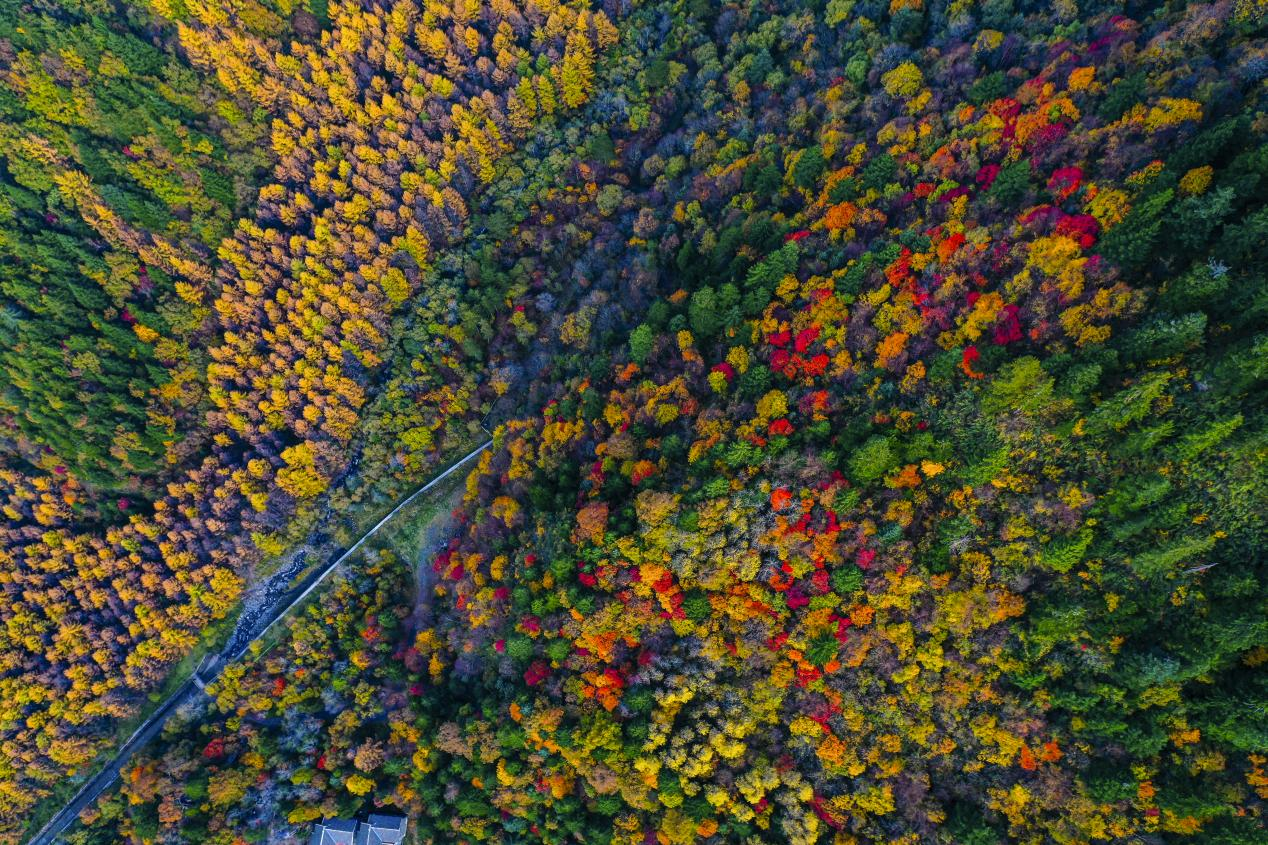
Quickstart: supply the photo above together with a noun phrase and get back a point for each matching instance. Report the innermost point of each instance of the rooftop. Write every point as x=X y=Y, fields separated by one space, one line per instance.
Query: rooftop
x=377 y=829
x=334 y=832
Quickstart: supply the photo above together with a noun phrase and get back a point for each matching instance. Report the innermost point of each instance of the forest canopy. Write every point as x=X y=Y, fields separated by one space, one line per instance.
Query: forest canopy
x=876 y=392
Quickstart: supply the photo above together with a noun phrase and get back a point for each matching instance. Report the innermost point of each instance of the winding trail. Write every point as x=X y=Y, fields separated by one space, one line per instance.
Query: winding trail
x=264 y=619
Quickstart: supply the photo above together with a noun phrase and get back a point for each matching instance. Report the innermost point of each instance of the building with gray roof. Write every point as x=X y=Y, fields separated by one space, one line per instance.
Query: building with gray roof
x=377 y=829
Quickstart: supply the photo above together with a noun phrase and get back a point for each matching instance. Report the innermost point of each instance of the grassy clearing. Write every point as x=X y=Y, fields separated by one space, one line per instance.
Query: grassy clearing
x=406 y=536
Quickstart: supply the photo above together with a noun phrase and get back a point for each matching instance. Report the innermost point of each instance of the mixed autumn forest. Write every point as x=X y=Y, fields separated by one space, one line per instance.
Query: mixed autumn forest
x=878 y=395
